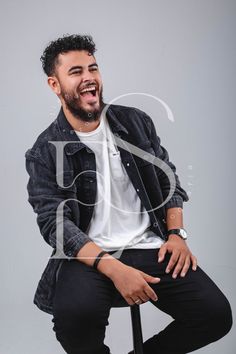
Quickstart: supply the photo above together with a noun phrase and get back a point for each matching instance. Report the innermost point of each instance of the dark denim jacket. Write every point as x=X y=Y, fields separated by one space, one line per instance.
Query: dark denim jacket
x=151 y=183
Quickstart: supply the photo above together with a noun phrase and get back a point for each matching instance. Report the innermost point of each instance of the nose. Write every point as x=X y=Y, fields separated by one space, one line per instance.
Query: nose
x=87 y=76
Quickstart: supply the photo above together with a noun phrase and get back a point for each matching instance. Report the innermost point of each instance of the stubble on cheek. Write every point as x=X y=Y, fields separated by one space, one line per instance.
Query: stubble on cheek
x=73 y=98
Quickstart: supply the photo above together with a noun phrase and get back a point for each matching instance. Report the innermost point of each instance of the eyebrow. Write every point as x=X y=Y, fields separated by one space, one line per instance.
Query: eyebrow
x=80 y=67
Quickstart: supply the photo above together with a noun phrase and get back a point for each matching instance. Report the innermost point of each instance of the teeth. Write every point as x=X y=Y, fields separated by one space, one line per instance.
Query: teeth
x=92 y=88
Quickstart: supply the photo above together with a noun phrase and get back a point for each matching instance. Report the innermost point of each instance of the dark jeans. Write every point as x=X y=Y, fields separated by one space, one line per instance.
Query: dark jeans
x=84 y=297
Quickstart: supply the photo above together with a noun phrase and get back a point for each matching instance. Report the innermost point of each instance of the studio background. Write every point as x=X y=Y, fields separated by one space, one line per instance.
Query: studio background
x=180 y=51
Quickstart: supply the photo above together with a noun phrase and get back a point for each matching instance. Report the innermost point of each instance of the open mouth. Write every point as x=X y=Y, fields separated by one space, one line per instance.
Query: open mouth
x=89 y=92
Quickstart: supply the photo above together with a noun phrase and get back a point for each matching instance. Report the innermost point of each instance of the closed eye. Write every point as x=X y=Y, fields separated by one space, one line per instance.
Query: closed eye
x=76 y=72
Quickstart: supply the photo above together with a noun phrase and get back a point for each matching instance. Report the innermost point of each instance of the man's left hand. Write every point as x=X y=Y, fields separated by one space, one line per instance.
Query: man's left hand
x=181 y=257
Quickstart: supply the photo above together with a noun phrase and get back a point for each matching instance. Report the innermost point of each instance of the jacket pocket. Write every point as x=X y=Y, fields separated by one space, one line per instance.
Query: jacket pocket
x=66 y=181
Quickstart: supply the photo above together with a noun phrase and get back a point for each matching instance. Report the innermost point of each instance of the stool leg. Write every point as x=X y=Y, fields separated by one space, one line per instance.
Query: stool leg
x=137 y=329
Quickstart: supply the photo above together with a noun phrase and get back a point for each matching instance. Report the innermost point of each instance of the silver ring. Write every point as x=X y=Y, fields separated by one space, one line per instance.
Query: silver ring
x=137 y=301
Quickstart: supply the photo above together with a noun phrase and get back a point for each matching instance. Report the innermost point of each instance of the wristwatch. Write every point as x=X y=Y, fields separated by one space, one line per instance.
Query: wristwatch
x=180 y=232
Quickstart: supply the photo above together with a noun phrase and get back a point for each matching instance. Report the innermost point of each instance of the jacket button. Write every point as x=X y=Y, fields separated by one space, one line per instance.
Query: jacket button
x=155 y=224
x=127 y=164
x=137 y=190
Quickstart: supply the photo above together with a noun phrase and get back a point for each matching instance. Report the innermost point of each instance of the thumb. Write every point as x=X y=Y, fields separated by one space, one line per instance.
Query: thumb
x=150 y=279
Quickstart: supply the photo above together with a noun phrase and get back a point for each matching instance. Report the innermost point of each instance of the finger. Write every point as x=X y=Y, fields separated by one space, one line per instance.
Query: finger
x=143 y=297
x=185 y=267
x=149 y=278
x=162 y=253
x=179 y=266
x=136 y=298
x=150 y=293
x=194 y=262
x=129 y=301
x=140 y=296
x=173 y=259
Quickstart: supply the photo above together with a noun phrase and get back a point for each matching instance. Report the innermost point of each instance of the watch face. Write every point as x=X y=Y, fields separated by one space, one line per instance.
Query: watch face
x=183 y=233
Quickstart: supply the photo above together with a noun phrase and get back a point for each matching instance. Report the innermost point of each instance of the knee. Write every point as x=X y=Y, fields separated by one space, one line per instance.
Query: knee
x=219 y=318
x=225 y=318
x=77 y=316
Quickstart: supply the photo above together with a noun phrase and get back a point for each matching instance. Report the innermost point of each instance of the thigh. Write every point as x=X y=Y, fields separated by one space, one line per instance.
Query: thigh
x=81 y=307
x=195 y=296
x=82 y=293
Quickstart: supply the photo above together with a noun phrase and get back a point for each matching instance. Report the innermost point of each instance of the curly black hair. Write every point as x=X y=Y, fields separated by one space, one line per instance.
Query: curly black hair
x=64 y=44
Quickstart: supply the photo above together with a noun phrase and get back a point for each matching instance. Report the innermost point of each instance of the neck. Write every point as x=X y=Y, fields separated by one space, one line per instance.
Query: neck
x=77 y=123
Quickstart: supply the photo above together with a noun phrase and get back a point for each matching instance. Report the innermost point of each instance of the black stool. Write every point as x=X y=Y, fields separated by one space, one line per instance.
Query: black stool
x=136 y=323
x=137 y=329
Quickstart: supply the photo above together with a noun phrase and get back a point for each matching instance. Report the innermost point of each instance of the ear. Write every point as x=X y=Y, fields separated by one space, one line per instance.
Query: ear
x=54 y=84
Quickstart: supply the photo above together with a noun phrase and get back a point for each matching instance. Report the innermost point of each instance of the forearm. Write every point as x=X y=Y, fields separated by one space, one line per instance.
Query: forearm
x=174 y=218
x=107 y=265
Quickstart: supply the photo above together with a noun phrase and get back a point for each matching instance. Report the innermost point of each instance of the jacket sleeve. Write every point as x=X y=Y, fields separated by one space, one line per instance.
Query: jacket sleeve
x=179 y=194
x=45 y=198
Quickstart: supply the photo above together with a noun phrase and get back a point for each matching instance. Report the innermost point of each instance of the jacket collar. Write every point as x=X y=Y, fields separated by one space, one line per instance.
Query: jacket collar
x=68 y=134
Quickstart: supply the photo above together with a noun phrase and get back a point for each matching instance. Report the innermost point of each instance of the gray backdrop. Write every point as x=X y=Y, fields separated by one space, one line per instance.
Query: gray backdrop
x=180 y=51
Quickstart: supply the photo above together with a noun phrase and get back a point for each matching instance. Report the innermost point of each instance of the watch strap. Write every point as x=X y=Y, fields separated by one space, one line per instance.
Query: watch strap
x=176 y=232
x=173 y=231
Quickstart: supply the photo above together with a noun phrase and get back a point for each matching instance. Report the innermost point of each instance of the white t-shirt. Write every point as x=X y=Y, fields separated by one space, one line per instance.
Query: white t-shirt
x=119 y=220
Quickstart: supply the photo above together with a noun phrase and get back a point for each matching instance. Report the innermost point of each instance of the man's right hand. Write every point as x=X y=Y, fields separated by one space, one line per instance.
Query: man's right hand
x=133 y=284
x=130 y=282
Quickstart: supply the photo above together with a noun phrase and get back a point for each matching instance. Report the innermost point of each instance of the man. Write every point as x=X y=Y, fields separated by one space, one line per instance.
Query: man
x=98 y=187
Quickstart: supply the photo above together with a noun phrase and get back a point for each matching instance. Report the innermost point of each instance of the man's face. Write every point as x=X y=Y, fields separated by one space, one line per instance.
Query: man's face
x=80 y=84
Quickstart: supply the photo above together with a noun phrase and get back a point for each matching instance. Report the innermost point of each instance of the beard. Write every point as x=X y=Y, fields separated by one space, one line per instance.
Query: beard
x=72 y=101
